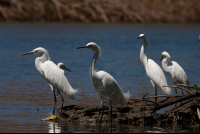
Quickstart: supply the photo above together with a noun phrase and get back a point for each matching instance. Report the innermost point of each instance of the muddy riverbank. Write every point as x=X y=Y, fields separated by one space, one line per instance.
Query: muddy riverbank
x=137 y=111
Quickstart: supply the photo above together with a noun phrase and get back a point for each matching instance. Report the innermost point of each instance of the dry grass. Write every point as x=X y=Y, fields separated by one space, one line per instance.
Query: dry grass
x=108 y=11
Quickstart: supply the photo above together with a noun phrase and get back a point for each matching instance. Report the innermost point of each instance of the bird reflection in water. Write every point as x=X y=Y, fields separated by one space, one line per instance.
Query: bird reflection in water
x=54 y=128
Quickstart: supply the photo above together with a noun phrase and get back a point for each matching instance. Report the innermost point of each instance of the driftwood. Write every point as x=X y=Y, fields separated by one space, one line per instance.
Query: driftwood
x=141 y=110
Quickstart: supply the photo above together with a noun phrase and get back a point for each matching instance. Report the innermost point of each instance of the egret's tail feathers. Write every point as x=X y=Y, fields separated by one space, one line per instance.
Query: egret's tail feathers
x=72 y=94
x=166 y=90
x=127 y=96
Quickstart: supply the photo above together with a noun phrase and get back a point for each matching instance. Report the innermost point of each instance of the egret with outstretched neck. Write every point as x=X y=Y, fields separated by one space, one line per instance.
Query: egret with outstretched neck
x=53 y=75
x=106 y=86
x=153 y=70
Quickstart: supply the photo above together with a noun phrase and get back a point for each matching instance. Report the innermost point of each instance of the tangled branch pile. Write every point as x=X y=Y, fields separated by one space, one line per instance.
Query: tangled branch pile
x=108 y=11
x=141 y=110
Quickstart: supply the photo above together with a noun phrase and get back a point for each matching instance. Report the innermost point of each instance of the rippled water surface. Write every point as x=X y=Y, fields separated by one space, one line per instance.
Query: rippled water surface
x=26 y=98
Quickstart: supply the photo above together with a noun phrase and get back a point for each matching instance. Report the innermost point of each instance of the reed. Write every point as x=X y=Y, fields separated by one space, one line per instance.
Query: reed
x=108 y=11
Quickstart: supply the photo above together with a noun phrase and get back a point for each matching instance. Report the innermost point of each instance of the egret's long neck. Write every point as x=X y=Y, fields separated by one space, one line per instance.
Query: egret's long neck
x=96 y=56
x=143 y=57
x=165 y=65
x=40 y=60
x=145 y=42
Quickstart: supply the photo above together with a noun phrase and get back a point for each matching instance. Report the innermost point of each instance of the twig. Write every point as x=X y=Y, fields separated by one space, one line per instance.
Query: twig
x=179 y=87
x=181 y=105
x=164 y=100
x=145 y=95
x=170 y=102
x=185 y=85
x=157 y=96
x=150 y=101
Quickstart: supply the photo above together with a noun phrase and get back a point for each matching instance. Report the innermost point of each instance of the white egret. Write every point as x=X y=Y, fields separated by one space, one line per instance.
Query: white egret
x=106 y=86
x=61 y=66
x=176 y=72
x=153 y=70
x=53 y=75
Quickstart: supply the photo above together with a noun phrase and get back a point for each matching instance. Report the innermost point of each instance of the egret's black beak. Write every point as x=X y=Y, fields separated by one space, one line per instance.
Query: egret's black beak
x=161 y=58
x=27 y=53
x=67 y=69
x=82 y=47
x=138 y=37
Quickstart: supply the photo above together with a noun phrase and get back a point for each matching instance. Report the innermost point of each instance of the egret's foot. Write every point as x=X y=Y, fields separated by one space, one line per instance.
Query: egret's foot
x=53 y=117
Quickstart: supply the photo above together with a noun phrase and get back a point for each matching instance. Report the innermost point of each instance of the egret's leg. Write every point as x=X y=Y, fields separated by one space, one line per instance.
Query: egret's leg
x=61 y=102
x=57 y=96
x=53 y=117
x=55 y=101
x=101 y=113
x=176 y=95
x=182 y=92
x=155 y=89
x=176 y=91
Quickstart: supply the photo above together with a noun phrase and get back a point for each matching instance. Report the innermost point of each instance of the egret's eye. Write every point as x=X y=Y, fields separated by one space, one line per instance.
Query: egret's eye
x=89 y=45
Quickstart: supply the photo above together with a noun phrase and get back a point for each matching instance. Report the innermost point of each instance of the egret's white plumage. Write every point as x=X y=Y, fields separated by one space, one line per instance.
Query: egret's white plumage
x=106 y=86
x=52 y=73
x=172 y=68
x=62 y=67
x=153 y=70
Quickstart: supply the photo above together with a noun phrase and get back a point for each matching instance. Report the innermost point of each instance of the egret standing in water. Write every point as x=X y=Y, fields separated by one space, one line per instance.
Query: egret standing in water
x=106 y=86
x=153 y=70
x=53 y=75
x=174 y=70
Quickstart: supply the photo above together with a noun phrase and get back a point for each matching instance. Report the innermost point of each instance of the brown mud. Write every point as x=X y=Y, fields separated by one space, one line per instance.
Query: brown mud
x=139 y=111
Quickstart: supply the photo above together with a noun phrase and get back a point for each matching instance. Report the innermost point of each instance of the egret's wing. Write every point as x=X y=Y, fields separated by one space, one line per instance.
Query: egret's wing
x=178 y=74
x=111 y=89
x=62 y=70
x=156 y=74
x=55 y=77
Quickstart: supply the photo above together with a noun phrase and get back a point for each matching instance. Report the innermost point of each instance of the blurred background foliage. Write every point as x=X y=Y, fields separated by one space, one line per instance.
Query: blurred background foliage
x=107 y=11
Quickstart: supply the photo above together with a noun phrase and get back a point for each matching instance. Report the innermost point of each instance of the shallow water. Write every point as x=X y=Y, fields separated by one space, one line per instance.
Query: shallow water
x=26 y=98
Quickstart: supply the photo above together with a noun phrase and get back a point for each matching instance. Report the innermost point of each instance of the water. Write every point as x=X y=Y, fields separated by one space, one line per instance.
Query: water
x=23 y=91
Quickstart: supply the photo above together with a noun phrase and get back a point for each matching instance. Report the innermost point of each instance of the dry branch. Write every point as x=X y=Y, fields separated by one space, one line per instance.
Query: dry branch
x=180 y=86
x=172 y=101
